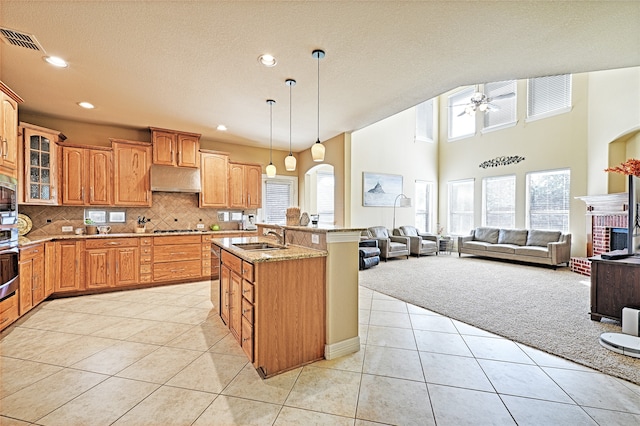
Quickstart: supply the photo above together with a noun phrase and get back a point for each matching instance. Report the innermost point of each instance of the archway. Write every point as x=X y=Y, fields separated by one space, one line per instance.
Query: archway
x=319 y=190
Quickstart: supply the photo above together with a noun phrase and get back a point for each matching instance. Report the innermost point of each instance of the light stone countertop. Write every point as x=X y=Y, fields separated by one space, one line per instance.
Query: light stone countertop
x=291 y=251
x=25 y=241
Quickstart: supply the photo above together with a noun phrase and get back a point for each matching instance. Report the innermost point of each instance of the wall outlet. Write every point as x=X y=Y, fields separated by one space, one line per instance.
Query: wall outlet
x=67 y=229
x=200 y=226
x=315 y=239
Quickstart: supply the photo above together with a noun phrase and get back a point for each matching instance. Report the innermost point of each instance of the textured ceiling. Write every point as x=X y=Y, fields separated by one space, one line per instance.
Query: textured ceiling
x=191 y=65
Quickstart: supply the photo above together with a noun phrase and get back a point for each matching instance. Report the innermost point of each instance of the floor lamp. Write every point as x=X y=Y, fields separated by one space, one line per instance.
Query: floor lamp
x=404 y=202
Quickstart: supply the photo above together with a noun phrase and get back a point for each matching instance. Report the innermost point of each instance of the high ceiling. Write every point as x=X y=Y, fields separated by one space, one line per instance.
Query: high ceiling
x=191 y=65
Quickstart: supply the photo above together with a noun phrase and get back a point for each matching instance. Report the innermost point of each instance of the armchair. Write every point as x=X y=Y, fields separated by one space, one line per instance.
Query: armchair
x=419 y=243
x=389 y=245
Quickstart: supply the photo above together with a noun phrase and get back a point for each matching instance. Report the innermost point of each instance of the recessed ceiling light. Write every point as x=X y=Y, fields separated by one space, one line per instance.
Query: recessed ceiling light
x=222 y=127
x=267 y=60
x=86 y=105
x=56 y=61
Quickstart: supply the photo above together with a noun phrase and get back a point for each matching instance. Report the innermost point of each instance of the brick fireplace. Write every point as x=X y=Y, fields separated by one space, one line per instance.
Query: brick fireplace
x=605 y=213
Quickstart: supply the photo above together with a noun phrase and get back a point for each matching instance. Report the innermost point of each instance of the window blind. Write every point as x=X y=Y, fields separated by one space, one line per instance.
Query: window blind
x=548 y=95
x=461 y=207
x=276 y=200
x=506 y=107
x=424 y=121
x=460 y=123
x=325 y=185
x=499 y=201
x=423 y=205
x=548 y=200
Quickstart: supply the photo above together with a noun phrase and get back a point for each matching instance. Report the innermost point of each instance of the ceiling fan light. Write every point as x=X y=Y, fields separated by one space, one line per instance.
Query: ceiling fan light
x=271 y=170
x=317 y=152
x=290 y=163
x=483 y=107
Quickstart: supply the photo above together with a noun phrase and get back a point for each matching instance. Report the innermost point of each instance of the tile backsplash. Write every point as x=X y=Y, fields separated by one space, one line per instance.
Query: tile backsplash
x=170 y=210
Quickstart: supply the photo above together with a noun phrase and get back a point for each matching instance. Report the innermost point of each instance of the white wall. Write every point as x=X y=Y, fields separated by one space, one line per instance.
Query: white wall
x=388 y=147
x=614 y=111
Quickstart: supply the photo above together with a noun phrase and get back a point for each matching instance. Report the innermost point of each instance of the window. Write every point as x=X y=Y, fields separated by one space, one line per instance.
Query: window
x=424 y=121
x=325 y=185
x=499 y=201
x=502 y=108
x=547 y=96
x=278 y=194
x=461 y=207
x=461 y=124
x=548 y=200
x=423 y=205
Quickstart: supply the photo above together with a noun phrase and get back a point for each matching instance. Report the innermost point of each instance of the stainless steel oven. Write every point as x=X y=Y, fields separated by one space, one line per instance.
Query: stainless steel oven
x=8 y=272
x=8 y=236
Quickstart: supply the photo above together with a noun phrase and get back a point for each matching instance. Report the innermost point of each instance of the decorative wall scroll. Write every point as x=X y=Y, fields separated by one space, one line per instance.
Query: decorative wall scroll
x=502 y=161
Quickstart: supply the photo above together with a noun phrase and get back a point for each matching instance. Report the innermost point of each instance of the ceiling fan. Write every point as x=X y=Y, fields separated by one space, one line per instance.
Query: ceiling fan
x=481 y=102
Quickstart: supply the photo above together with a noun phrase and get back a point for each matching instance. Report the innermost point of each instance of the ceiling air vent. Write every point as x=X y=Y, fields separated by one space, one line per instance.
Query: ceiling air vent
x=19 y=39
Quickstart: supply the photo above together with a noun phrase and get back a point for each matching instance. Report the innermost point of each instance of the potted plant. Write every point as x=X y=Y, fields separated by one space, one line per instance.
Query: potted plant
x=90 y=226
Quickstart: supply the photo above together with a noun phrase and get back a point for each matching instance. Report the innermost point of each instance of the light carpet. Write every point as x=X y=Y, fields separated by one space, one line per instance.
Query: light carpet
x=538 y=306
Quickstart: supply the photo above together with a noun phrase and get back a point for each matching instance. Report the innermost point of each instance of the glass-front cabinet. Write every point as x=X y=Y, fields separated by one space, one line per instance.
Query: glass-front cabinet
x=40 y=165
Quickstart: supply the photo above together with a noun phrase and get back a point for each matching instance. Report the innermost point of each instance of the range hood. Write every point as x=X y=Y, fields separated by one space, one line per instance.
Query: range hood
x=175 y=179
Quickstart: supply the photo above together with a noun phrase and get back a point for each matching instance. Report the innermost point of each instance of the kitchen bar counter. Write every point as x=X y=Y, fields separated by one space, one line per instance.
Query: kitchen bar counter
x=291 y=251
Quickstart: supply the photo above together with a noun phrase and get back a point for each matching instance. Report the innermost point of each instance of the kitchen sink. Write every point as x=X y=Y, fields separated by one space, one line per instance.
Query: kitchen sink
x=258 y=246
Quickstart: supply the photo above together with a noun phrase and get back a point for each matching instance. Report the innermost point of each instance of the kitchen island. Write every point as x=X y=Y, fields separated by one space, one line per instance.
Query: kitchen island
x=272 y=298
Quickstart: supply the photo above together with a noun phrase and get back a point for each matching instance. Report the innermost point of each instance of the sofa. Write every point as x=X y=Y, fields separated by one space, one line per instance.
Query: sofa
x=419 y=242
x=389 y=245
x=532 y=246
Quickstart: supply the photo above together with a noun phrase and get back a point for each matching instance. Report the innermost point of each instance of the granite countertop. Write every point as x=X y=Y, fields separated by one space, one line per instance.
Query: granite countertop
x=309 y=228
x=291 y=251
x=24 y=241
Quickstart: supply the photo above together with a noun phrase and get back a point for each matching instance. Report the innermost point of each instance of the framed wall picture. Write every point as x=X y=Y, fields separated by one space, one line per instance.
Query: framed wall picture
x=379 y=189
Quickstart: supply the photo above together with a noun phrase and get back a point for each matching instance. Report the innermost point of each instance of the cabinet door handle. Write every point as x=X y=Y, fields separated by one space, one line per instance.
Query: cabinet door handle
x=244 y=339
x=2 y=147
x=5 y=148
x=245 y=291
x=82 y=193
x=244 y=311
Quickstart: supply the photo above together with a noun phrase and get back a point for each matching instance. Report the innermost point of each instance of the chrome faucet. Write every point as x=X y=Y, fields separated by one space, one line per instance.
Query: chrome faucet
x=280 y=237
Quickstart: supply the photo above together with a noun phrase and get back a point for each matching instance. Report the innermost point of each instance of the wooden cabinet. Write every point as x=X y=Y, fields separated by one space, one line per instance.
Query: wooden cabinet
x=49 y=267
x=175 y=148
x=177 y=258
x=8 y=131
x=9 y=310
x=32 y=277
x=69 y=270
x=276 y=310
x=214 y=179
x=245 y=185
x=131 y=183
x=112 y=262
x=206 y=256
x=615 y=284
x=87 y=176
x=146 y=259
x=38 y=160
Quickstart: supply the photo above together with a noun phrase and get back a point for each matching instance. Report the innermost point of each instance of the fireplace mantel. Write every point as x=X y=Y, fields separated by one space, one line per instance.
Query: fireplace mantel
x=606 y=204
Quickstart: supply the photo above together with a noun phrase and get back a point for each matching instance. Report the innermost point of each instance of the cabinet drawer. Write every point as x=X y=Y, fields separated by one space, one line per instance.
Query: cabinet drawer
x=247 y=338
x=247 y=290
x=175 y=253
x=206 y=238
x=206 y=264
x=206 y=253
x=99 y=243
x=31 y=251
x=247 y=310
x=146 y=278
x=145 y=259
x=146 y=241
x=178 y=239
x=145 y=269
x=146 y=250
x=233 y=262
x=247 y=271
x=8 y=311
x=176 y=270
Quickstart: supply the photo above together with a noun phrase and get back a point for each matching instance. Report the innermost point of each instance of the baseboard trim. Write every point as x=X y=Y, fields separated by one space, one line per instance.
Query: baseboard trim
x=342 y=348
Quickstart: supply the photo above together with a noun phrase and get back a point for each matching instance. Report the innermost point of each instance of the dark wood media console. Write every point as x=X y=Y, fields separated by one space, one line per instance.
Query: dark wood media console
x=615 y=284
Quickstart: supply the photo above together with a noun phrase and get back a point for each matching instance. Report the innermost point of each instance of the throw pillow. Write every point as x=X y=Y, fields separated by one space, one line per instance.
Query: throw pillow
x=513 y=236
x=542 y=238
x=488 y=235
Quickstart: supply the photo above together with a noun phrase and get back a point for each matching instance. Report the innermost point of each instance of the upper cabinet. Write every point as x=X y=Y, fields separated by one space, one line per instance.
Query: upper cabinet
x=39 y=161
x=175 y=148
x=8 y=131
x=214 y=176
x=245 y=185
x=132 y=163
x=87 y=174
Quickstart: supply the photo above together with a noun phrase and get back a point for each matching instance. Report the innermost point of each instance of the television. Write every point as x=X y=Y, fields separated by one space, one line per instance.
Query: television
x=633 y=236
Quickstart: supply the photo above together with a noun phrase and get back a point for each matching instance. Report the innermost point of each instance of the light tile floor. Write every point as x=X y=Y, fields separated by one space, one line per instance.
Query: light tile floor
x=161 y=356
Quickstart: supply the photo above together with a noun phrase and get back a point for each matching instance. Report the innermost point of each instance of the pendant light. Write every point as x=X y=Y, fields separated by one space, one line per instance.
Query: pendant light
x=271 y=169
x=290 y=160
x=317 y=150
